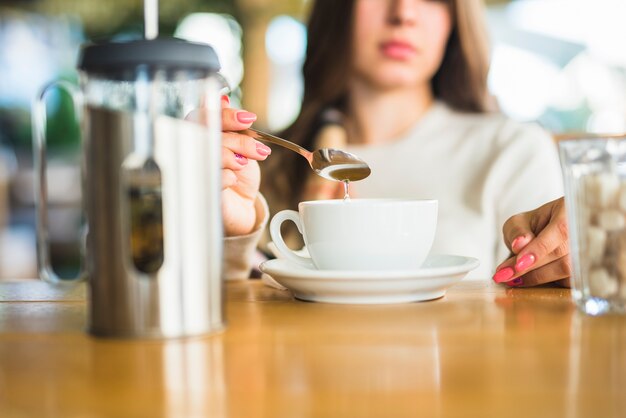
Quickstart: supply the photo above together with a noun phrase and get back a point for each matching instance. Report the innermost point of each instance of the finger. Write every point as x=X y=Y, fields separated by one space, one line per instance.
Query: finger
x=229 y=179
x=558 y=270
x=236 y=119
x=551 y=242
x=517 y=232
x=509 y=269
x=520 y=242
x=225 y=101
x=232 y=160
x=564 y=282
x=505 y=271
x=246 y=146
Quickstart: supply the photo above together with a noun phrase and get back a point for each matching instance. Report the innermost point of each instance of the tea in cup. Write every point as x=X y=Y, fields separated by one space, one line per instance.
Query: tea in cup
x=361 y=234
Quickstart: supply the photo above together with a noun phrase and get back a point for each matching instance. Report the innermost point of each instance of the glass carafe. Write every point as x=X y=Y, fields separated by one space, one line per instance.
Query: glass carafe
x=150 y=119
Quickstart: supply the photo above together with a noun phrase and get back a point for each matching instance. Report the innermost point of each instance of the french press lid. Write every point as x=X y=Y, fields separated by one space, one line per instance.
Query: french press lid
x=163 y=53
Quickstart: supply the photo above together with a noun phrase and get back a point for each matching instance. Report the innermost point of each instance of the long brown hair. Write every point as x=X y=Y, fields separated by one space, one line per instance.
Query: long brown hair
x=460 y=82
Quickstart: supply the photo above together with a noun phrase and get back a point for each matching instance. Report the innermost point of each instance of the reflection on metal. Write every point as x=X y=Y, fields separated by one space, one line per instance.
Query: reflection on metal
x=332 y=164
x=154 y=247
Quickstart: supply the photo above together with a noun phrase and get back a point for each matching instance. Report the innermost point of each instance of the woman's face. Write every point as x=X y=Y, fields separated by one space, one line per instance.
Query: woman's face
x=399 y=43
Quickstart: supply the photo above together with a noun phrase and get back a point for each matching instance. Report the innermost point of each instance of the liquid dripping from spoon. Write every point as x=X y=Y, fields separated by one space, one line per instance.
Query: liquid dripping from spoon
x=346 y=189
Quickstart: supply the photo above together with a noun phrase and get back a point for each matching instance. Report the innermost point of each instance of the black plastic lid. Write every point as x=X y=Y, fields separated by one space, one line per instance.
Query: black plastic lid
x=168 y=53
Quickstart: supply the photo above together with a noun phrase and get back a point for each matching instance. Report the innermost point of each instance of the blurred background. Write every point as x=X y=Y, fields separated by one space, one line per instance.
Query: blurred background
x=559 y=62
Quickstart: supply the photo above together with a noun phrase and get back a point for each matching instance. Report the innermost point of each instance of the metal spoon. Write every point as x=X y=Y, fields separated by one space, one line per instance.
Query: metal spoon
x=330 y=163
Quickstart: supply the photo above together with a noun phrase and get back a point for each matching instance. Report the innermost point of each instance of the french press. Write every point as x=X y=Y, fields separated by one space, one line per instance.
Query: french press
x=151 y=181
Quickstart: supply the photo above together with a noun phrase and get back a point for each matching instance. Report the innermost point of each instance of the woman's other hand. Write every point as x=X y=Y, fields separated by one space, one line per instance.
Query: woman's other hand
x=538 y=241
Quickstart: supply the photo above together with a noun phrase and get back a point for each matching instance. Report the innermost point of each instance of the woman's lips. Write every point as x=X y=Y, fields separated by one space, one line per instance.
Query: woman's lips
x=398 y=50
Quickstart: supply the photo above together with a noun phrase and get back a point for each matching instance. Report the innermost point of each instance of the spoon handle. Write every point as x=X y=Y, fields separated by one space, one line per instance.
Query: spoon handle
x=263 y=136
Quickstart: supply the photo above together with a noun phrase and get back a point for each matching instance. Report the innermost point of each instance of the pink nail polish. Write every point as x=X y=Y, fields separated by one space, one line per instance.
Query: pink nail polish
x=519 y=242
x=241 y=159
x=524 y=262
x=263 y=149
x=503 y=275
x=226 y=99
x=246 y=117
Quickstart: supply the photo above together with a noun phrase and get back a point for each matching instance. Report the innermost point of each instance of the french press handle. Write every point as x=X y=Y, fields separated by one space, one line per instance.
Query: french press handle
x=39 y=118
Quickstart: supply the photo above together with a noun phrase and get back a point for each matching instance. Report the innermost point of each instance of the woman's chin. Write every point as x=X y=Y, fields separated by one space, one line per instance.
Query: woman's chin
x=388 y=77
x=407 y=82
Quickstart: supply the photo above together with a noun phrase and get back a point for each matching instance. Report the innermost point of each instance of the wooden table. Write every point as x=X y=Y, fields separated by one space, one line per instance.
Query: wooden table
x=481 y=351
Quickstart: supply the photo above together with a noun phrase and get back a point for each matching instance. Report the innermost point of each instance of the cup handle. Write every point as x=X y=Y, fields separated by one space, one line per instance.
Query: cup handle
x=277 y=237
x=38 y=116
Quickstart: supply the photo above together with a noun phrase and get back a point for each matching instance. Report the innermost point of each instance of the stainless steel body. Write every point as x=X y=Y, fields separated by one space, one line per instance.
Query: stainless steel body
x=183 y=295
x=330 y=163
x=151 y=188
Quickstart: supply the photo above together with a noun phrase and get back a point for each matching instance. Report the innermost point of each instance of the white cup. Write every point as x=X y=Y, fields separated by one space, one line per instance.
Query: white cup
x=361 y=234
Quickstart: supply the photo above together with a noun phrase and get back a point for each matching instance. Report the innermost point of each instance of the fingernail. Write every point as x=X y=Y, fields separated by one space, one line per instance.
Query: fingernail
x=263 y=149
x=503 y=275
x=226 y=99
x=241 y=159
x=519 y=242
x=516 y=282
x=246 y=117
x=524 y=262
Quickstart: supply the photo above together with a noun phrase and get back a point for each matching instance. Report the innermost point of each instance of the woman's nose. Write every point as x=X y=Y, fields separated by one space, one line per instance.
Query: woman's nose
x=402 y=12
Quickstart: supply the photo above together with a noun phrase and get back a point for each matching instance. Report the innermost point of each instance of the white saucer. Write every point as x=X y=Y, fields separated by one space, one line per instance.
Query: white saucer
x=437 y=274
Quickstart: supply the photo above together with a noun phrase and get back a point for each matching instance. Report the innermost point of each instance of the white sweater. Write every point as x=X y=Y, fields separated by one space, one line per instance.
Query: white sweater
x=482 y=168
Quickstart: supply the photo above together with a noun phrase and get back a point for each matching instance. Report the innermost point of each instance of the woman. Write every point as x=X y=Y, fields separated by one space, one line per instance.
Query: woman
x=402 y=84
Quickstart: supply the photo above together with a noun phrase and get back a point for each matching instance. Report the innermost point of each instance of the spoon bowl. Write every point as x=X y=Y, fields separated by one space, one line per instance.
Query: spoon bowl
x=330 y=163
x=334 y=164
